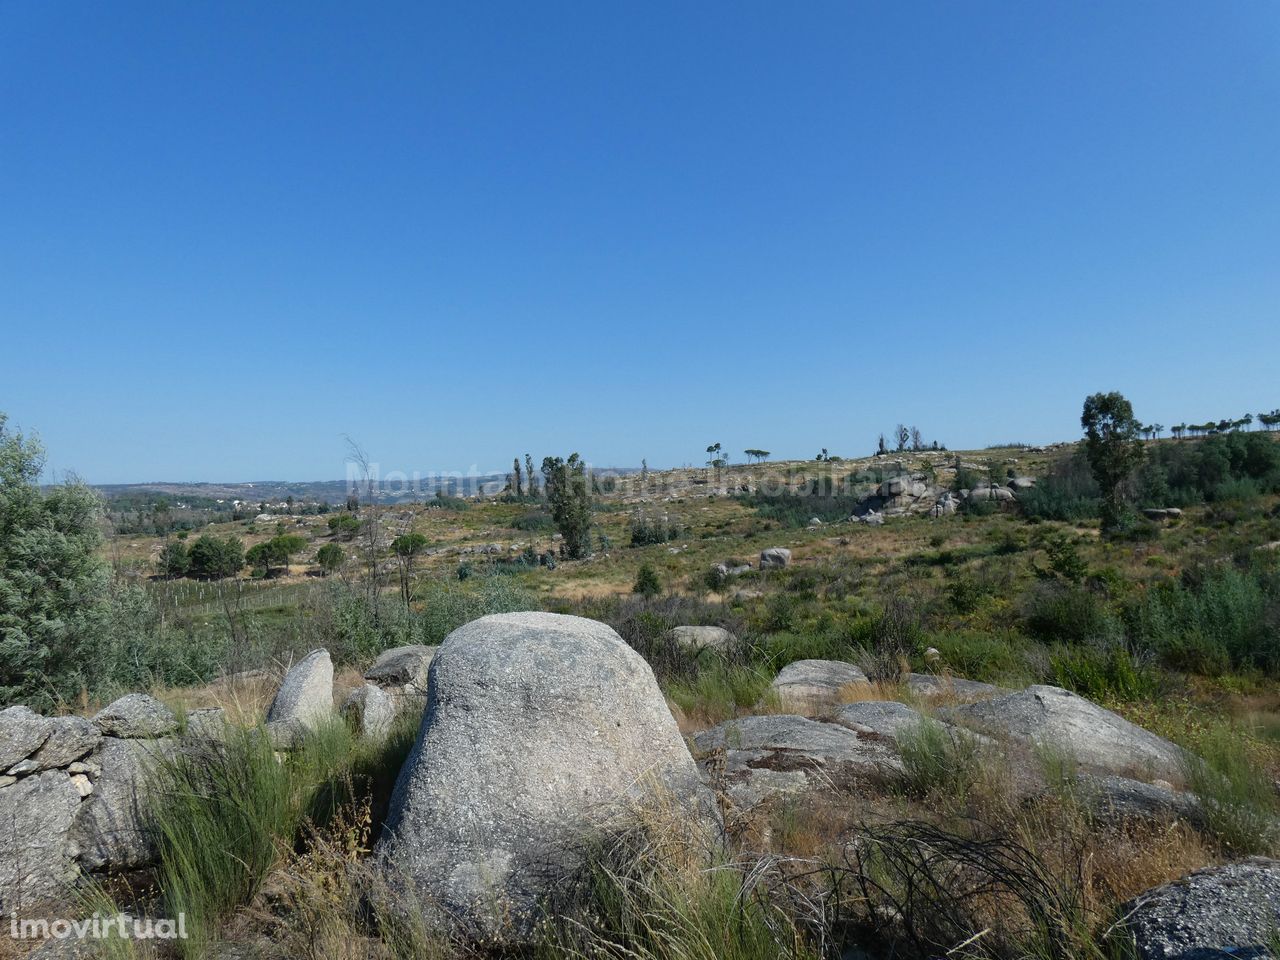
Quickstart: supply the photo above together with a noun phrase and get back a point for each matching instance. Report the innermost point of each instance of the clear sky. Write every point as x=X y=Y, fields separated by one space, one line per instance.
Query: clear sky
x=232 y=232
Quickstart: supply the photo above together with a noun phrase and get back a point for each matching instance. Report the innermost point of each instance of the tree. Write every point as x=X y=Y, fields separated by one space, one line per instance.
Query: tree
x=519 y=485
x=647 y=583
x=881 y=449
x=174 y=560
x=1111 y=443
x=917 y=441
x=568 y=493
x=277 y=550
x=330 y=557
x=53 y=586
x=528 y=476
x=215 y=558
x=902 y=435
x=406 y=547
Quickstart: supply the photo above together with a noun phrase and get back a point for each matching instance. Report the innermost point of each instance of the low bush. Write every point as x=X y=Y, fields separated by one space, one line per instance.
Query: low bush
x=1237 y=798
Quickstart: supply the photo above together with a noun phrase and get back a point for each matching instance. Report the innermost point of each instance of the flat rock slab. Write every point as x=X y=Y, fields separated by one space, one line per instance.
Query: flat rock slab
x=1098 y=739
x=760 y=757
x=1116 y=800
x=1232 y=910
x=813 y=686
x=70 y=739
x=883 y=718
x=136 y=717
x=929 y=686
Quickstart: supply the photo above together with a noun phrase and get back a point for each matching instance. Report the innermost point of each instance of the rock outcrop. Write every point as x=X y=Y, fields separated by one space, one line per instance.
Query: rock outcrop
x=542 y=734
x=755 y=758
x=1233 y=910
x=1098 y=739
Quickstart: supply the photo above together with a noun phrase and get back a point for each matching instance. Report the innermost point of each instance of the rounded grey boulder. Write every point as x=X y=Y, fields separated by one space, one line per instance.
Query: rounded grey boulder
x=698 y=640
x=813 y=686
x=542 y=734
x=774 y=557
x=305 y=698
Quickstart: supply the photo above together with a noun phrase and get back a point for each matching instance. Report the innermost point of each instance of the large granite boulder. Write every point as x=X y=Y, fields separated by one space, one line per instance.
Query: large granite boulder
x=756 y=758
x=35 y=847
x=136 y=717
x=543 y=735
x=1098 y=739
x=1232 y=910
x=813 y=686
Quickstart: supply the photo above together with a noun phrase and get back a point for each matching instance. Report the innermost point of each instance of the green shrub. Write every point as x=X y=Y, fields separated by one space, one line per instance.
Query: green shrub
x=975 y=655
x=647 y=583
x=1109 y=673
x=1068 y=613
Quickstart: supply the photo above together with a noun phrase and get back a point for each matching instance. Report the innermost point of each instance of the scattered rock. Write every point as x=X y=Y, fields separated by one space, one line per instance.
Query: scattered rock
x=1233 y=910
x=774 y=557
x=35 y=852
x=305 y=697
x=136 y=717
x=541 y=732
x=22 y=731
x=369 y=710
x=700 y=639
x=755 y=758
x=1097 y=738
x=1022 y=483
x=811 y=686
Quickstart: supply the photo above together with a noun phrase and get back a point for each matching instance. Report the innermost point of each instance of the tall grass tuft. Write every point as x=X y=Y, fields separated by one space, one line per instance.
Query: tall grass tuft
x=939 y=760
x=650 y=906
x=1237 y=799
x=220 y=811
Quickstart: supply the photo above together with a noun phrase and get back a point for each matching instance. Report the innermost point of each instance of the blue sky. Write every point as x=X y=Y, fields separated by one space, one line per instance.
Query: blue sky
x=232 y=233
